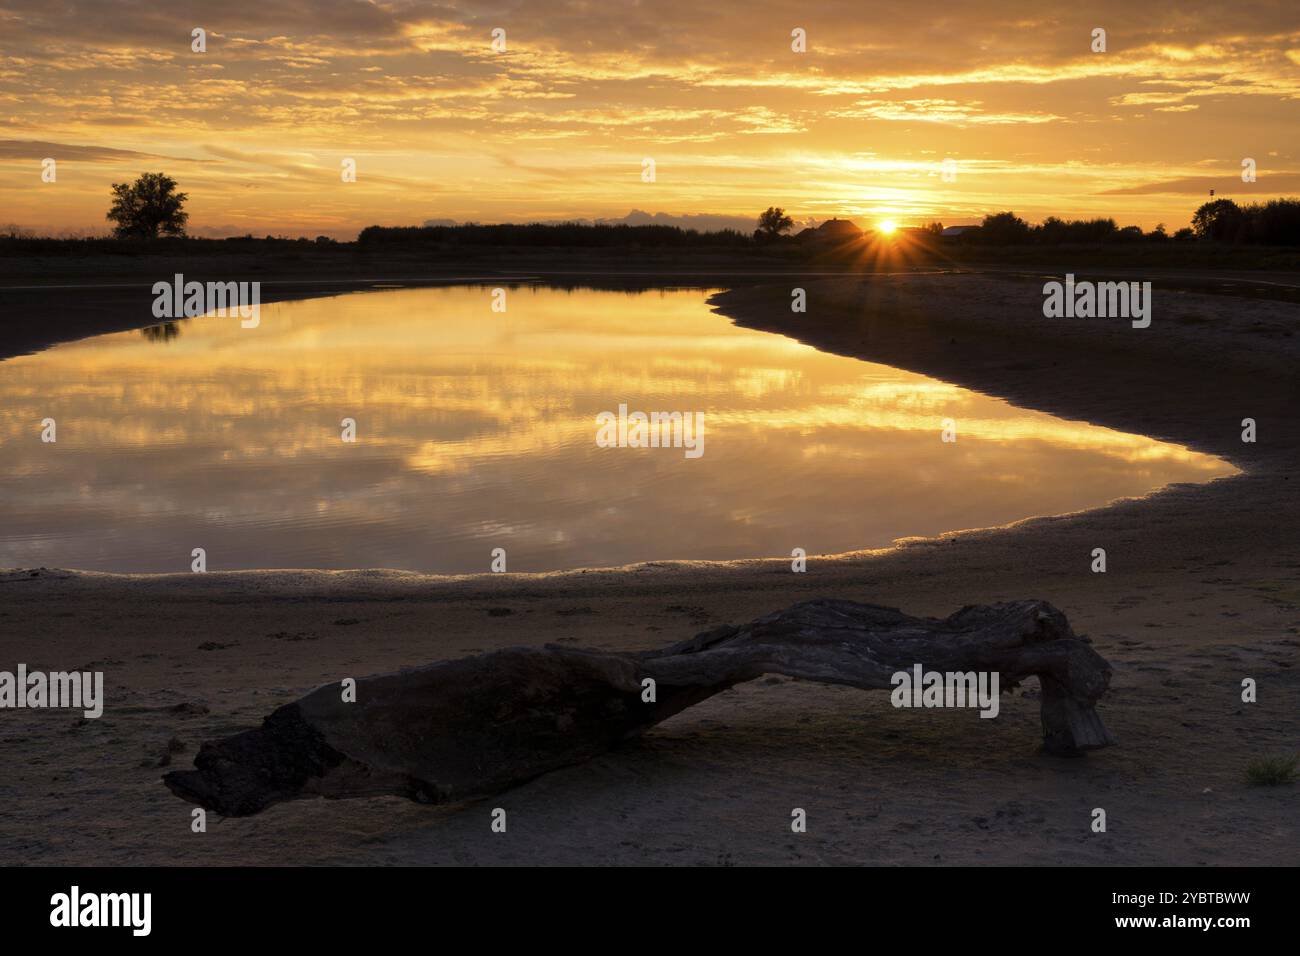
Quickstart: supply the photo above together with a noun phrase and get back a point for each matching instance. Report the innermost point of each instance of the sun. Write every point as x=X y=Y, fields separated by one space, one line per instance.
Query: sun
x=888 y=226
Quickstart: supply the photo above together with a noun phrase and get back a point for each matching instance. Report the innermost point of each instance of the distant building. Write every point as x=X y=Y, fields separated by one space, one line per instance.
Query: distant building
x=959 y=232
x=832 y=230
x=839 y=229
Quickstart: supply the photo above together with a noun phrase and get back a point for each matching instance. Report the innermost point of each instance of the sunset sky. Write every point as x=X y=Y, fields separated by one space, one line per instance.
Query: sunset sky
x=442 y=127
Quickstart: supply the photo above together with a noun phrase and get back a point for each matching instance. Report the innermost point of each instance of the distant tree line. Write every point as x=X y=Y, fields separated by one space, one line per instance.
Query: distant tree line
x=1008 y=229
x=151 y=208
x=1273 y=223
x=569 y=234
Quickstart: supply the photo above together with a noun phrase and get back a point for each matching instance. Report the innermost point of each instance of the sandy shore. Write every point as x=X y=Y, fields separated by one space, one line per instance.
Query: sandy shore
x=1203 y=589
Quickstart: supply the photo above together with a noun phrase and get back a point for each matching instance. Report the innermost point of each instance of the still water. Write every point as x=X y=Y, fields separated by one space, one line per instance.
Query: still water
x=477 y=430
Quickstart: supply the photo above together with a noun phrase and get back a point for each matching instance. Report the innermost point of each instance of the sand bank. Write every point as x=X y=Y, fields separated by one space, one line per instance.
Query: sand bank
x=1203 y=589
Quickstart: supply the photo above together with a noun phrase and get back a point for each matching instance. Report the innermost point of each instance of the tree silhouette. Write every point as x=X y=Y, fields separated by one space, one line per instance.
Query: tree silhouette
x=164 y=332
x=1004 y=229
x=1217 y=220
x=772 y=223
x=148 y=207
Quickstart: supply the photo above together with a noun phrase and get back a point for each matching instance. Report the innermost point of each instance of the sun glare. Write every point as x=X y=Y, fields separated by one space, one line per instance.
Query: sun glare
x=888 y=226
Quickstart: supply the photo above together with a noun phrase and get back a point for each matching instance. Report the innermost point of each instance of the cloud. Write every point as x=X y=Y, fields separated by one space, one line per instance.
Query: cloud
x=65 y=152
x=937 y=111
x=1267 y=184
x=556 y=126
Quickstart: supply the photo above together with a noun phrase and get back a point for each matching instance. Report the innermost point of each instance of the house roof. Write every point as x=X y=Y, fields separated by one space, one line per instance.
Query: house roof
x=839 y=227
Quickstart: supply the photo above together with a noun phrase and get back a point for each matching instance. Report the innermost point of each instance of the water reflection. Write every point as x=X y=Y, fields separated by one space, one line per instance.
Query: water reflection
x=161 y=333
x=476 y=429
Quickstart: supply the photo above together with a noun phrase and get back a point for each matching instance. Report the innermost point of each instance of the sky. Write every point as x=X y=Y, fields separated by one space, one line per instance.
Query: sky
x=443 y=125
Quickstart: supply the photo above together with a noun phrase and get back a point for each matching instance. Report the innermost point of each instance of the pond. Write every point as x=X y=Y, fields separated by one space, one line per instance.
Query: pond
x=474 y=429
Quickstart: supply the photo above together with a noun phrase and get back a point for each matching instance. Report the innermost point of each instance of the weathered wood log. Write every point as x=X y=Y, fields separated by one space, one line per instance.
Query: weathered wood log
x=476 y=726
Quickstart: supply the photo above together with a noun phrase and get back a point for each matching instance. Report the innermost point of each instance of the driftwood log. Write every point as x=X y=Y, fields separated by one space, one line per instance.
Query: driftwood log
x=476 y=726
